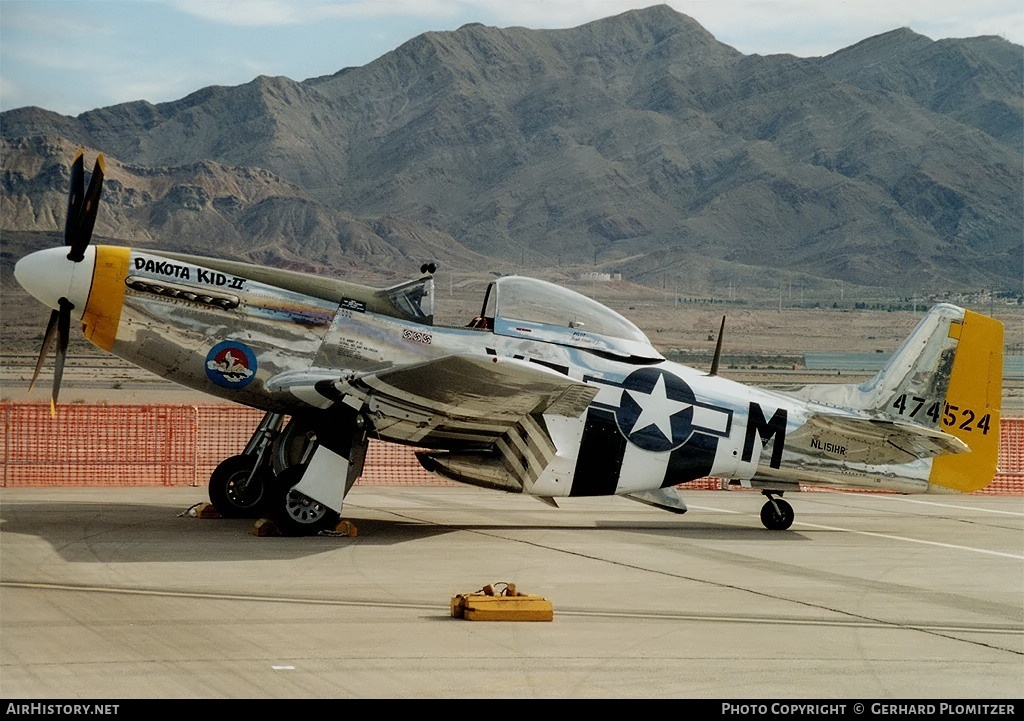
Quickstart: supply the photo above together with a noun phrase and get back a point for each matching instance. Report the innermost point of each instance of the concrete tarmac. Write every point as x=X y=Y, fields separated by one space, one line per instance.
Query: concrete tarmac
x=120 y=593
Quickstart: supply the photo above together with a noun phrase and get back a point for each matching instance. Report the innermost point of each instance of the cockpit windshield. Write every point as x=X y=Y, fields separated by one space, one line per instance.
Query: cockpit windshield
x=415 y=299
x=532 y=308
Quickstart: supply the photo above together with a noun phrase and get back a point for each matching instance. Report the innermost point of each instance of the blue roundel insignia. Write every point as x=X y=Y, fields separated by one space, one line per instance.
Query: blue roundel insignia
x=656 y=410
x=231 y=364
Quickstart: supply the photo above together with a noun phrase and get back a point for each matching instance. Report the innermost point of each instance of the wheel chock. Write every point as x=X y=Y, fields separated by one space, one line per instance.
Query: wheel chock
x=266 y=527
x=346 y=528
x=204 y=510
x=505 y=605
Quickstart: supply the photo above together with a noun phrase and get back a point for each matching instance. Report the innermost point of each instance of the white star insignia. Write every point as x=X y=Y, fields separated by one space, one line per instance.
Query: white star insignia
x=656 y=409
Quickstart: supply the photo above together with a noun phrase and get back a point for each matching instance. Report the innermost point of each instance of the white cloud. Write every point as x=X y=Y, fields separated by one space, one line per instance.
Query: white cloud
x=274 y=13
x=246 y=13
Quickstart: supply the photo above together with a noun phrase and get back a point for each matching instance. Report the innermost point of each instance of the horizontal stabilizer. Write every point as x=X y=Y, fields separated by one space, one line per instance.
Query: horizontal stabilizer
x=864 y=440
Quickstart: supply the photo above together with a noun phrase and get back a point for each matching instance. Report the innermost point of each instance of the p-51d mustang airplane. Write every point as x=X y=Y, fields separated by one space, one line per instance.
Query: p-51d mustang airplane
x=547 y=393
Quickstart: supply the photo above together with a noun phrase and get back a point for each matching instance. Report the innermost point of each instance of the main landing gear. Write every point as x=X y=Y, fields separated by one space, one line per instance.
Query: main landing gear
x=261 y=481
x=776 y=514
x=238 y=485
x=295 y=513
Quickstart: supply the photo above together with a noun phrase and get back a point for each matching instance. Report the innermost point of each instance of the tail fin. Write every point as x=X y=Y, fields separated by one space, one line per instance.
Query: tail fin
x=948 y=376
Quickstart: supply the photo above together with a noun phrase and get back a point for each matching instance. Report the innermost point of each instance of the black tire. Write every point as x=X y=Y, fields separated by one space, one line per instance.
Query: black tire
x=777 y=520
x=231 y=491
x=295 y=514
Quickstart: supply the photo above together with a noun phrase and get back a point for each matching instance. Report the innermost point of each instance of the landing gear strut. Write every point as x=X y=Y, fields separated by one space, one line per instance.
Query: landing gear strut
x=776 y=514
x=269 y=479
x=317 y=459
x=238 y=485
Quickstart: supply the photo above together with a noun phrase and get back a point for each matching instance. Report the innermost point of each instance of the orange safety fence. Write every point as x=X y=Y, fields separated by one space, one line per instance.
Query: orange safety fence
x=180 y=445
x=151 y=445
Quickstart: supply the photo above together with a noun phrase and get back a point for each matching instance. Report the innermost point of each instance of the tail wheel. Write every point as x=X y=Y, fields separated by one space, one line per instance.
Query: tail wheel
x=235 y=490
x=294 y=513
x=777 y=515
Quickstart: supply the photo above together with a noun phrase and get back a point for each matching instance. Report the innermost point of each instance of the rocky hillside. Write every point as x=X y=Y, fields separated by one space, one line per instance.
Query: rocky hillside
x=637 y=144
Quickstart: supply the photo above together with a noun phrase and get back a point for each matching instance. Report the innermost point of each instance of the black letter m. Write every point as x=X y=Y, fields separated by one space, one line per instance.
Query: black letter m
x=766 y=430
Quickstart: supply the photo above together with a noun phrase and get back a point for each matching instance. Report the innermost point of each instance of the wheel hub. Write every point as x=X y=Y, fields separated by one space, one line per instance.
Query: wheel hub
x=303 y=508
x=243 y=493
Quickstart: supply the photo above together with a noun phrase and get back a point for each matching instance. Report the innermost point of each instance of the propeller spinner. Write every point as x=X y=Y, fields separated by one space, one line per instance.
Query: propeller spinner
x=59 y=282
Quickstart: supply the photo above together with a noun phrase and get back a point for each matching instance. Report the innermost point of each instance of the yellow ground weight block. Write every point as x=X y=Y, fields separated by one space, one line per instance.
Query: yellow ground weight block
x=486 y=605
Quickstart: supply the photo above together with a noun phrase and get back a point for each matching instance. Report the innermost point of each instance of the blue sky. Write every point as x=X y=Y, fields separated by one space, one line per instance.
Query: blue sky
x=70 y=56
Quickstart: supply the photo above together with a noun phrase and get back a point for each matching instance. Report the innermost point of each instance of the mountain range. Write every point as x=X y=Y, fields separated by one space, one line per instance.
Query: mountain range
x=636 y=145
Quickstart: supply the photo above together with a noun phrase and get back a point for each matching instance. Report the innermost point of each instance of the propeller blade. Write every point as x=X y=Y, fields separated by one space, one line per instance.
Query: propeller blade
x=87 y=219
x=63 y=331
x=82 y=206
x=75 y=197
x=51 y=333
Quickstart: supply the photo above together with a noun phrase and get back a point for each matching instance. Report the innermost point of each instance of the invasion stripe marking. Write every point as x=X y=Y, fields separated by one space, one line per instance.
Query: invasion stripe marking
x=600 y=456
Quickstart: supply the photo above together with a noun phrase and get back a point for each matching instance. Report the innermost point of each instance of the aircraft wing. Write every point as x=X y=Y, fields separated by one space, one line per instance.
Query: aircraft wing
x=468 y=398
x=866 y=440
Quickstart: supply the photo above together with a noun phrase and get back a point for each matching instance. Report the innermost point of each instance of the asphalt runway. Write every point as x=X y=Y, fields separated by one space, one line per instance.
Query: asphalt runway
x=122 y=594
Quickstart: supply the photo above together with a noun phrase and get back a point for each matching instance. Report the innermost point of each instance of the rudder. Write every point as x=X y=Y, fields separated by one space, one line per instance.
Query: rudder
x=970 y=410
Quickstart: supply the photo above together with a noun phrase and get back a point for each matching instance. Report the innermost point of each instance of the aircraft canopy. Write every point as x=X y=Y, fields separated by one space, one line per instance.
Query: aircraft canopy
x=531 y=308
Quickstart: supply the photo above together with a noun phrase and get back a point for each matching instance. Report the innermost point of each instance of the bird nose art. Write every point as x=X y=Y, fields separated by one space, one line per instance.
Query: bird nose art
x=48 y=276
